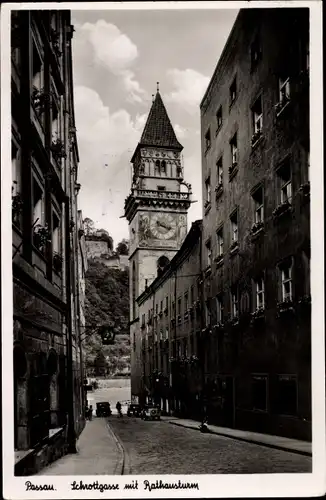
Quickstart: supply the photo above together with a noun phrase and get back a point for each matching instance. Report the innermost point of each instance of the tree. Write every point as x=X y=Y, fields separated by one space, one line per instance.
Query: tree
x=88 y=226
x=123 y=247
x=100 y=365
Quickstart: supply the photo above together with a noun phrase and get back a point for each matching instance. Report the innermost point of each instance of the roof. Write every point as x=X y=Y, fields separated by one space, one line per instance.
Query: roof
x=158 y=130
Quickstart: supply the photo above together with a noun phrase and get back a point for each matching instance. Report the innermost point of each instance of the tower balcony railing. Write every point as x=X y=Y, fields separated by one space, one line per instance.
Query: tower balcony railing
x=170 y=195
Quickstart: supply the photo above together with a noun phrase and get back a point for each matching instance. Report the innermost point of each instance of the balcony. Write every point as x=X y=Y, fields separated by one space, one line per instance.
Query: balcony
x=257 y=228
x=285 y=306
x=256 y=137
x=219 y=260
x=234 y=247
x=282 y=104
x=258 y=315
x=170 y=195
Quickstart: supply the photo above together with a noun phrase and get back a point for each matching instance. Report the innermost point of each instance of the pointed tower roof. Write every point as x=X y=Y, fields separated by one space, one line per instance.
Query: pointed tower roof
x=158 y=130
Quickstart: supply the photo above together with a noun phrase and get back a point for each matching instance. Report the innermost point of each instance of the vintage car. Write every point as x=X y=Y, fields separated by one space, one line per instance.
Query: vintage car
x=134 y=410
x=151 y=412
x=103 y=409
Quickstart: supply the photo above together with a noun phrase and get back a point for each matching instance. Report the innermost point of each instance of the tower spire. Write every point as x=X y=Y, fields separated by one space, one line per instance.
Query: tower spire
x=157 y=86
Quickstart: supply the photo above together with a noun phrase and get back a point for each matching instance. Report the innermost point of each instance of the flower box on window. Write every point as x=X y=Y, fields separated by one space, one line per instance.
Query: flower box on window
x=285 y=306
x=57 y=262
x=58 y=150
x=39 y=99
x=41 y=235
x=282 y=209
x=258 y=315
x=256 y=136
x=17 y=207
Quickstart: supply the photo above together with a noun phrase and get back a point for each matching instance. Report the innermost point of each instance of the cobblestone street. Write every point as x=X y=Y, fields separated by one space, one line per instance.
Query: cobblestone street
x=162 y=448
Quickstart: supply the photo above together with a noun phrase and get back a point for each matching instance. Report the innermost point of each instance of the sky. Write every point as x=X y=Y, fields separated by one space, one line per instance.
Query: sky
x=118 y=56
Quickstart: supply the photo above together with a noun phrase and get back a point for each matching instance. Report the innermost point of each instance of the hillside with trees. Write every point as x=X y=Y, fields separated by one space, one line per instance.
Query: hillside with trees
x=107 y=303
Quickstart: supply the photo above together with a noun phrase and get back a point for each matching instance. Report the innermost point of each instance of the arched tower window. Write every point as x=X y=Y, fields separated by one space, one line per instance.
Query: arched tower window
x=162 y=263
x=163 y=167
x=157 y=167
x=133 y=298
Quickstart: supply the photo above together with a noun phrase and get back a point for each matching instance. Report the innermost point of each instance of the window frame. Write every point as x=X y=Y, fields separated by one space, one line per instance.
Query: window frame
x=234 y=220
x=258 y=204
x=219 y=171
x=234 y=303
x=257 y=116
x=208 y=140
x=208 y=246
x=259 y=292
x=219 y=308
x=233 y=91
x=234 y=149
x=219 y=119
x=220 y=241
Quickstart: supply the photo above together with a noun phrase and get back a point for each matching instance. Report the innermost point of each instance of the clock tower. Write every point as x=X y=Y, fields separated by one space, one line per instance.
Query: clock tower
x=156 y=210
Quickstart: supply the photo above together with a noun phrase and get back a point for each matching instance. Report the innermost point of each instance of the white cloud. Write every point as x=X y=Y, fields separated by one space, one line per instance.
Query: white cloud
x=111 y=49
x=106 y=143
x=190 y=86
x=180 y=132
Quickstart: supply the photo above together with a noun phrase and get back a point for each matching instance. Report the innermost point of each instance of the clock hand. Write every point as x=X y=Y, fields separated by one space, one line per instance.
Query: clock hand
x=164 y=225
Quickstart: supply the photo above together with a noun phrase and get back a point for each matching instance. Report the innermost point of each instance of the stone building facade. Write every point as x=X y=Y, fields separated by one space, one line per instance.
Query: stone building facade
x=156 y=210
x=169 y=351
x=48 y=399
x=256 y=226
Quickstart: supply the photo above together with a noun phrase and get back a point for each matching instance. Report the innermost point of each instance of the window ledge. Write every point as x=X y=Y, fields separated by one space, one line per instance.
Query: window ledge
x=234 y=248
x=281 y=106
x=207 y=208
x=233 y=170
x=256 y=231
x=208 y=271
x=218 y=191
x=207 y=149
x=218 y=130
x=219 y=260
x=255 y=140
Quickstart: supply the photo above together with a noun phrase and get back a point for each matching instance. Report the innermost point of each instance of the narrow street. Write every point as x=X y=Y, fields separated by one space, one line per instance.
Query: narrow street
x=163 y=448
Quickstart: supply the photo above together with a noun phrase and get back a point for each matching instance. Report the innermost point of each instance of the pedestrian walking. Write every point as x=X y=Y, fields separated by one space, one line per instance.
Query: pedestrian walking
x=90 y=412
x=118 y=407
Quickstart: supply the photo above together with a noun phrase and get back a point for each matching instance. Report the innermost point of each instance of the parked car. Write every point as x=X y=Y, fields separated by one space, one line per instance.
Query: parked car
x=151 y=412
x=134 y=410
x=103 y=409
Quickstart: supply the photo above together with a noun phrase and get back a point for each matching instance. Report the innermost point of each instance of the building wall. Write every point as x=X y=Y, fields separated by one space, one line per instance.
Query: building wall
x=44 y=175
x=168 y=334
x=280 y=343
x=97 y=248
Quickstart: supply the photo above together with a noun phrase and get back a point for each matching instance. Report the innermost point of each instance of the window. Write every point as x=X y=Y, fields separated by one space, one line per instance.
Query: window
x=286 y=395
x=234 y=227
x=157 y=167
x=186 y=301
x=166 y=305
x=255 y=52
x=156 y=309
x=257 y=118
x=163 y=167
x=285 y=184
x=179 y=305
x=15 y=169
x=37 y=69
x=38 y=203
x=219 y=308
x=258 y=199
x=56 y=239
x=233 y=91
x=234 y=150
x=259 y=392
x=208 y=140
x=143 y=318
x=220 y=242
x=219 y=119
x=284 y=90
x=161 y=305
x=173 y=308
x=208 y=190
x=161 y=188
x=219 y=165
x=234 y=303
x=209 y=252
x=259 y=294
x=208 y=312
x=286 y=281
x=55 y=121
x=192 y=295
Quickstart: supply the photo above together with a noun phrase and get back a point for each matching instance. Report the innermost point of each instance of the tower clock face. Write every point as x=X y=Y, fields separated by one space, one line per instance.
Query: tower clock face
x=163 y=226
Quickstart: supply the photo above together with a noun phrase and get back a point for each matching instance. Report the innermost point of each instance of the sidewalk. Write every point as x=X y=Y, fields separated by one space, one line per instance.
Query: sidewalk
x=99 y=453
x=278 y=442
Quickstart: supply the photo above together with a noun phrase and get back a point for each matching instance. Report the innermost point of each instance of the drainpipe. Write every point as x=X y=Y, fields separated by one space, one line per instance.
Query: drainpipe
x=203 y=353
